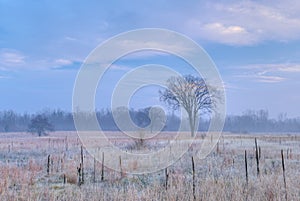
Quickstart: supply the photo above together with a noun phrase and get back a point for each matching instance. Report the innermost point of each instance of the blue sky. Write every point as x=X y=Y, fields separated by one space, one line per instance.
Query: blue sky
x=254 y=44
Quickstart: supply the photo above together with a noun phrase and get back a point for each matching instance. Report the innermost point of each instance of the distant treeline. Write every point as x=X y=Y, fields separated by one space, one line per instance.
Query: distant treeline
x=250 y=121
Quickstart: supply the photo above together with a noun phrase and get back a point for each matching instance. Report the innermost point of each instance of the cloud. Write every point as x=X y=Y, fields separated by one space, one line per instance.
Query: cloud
x=144 y=44
x=119 y=67
x=218 y=32
x=14 y=60
x=246 y=22
x=69 y=38
x=261 y=77
x=4 y=77
x=63 y=62
x=268 y=78
x=10 y=57
x=168 y=44
x=269 y=73
x=144 y=54
x=237 y=23
x=279 y=67
x=230 y=86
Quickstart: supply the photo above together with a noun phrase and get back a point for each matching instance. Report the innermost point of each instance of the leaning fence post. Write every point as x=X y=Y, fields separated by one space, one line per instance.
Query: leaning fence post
x=79 y=174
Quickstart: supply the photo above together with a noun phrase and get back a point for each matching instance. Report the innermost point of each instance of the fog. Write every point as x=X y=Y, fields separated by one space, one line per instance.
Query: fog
x=250 y=121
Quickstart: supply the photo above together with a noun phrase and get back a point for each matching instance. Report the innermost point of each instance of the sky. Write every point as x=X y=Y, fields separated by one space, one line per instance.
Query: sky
x=254 y=44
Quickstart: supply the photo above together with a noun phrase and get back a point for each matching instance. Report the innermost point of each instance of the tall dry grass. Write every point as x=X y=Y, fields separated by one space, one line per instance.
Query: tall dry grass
x=221 y=176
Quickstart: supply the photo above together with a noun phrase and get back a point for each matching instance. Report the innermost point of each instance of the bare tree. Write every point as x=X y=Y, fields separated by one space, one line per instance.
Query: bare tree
x=191 y=93
x=40 y=125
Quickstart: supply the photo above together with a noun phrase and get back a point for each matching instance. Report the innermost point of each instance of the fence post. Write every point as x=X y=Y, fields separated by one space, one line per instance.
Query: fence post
x=82 y=173
x=102 y=169
x=167 y=177
x=257 y=157
x=48 y=164
x=246 y=167
x=283 y=172
x=194 y=185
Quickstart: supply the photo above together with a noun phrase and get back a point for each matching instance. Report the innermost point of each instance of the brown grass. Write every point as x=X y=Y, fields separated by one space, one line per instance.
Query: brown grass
x=221 y=176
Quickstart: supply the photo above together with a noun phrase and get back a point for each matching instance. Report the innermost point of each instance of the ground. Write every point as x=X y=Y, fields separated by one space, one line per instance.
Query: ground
x=26 y=174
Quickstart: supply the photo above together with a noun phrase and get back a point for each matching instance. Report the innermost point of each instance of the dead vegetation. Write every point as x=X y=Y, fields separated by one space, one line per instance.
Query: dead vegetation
x=46 y=168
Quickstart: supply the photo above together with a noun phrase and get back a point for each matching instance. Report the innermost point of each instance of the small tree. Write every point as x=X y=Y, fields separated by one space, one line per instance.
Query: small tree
x=40 y=125
x=158 y=119
x=191 y=93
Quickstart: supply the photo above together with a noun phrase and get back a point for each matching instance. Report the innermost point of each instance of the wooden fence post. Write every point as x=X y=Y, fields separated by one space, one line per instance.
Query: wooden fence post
x=257 y=157
x=246 y=167
x=102 y=169
x=194 y=184
x=283 y=172
x=48 y=164
x=82 y=172
x=167 y=177
x=94 y=176
x=120 y=163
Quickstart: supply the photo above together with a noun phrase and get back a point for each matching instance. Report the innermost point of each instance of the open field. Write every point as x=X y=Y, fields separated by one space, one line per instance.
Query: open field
x=46 y=168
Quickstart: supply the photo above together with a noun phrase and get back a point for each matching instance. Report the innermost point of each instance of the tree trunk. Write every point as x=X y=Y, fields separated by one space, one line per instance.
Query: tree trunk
x=192 y=125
